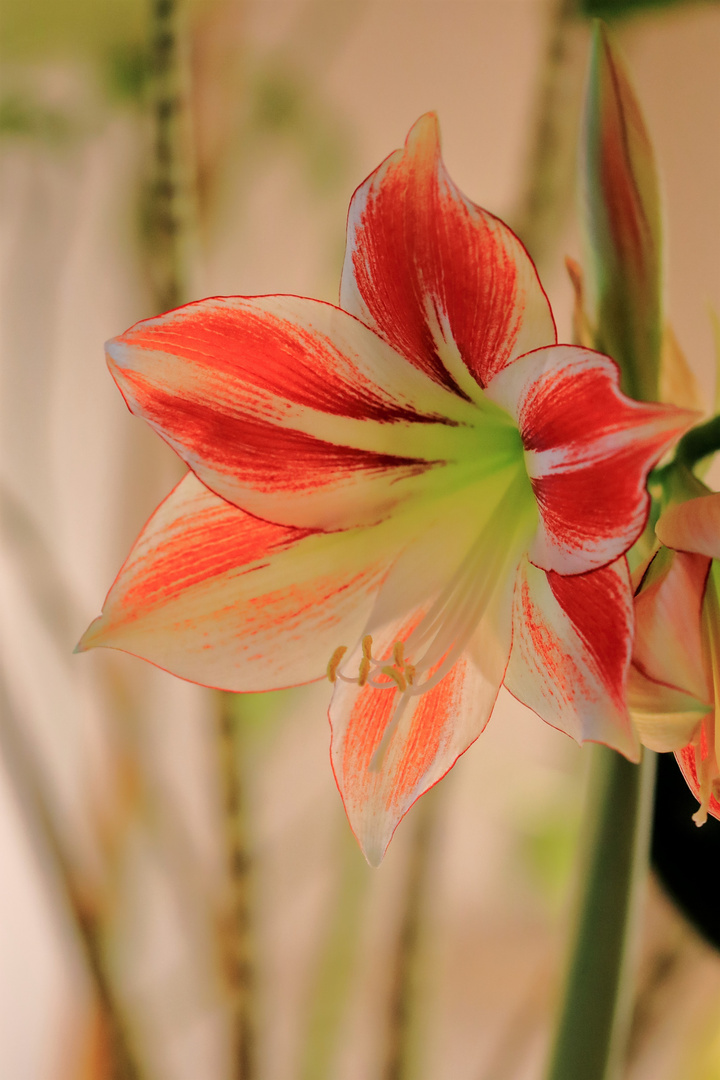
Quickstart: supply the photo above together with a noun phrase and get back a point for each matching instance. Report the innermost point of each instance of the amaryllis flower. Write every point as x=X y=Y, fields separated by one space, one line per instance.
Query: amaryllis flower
x=675 y=676
x=418 y=492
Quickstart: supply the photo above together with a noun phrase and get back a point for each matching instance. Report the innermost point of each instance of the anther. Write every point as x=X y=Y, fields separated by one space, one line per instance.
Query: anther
x=367 y=647
x=410 y=673
x=399 y=653
x=396 y=676
x=334 y=662
x=364 y=668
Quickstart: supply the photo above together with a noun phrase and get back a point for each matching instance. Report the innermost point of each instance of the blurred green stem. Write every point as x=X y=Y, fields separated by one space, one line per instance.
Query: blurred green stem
x=336 y=964
x=169 y=221
x=399 y=1054
x=592 y=1031
x=237 y=951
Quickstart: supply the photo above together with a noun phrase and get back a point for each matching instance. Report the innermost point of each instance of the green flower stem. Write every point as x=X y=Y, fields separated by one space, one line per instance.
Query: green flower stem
x=399 y=1063
x=699 y=443
x=336 y=965
x=594 y=1018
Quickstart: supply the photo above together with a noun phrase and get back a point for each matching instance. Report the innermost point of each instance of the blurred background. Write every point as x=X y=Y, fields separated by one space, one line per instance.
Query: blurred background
x=181 y=898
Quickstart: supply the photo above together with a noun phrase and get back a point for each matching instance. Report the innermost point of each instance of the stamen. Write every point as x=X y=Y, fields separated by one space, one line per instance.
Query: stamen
x=334 y=662
x=367 y=647
x=396 y=676
x=398 y=653
x=364 y=668
x=410 y=673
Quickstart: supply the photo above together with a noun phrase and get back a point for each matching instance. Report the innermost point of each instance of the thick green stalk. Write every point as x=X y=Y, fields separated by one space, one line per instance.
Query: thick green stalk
x=592 y=1031
x=400 y=1047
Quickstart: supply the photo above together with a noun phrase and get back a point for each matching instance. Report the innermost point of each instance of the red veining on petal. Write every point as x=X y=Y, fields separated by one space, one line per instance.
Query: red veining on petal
x=548 y=653
x=371 y=713
x=592 y=602
x=290 y=609
x=600 y=446
x=257 y=452
x=423 y=254
x=206 y=543
x=688 y=766
x=231 y=343
x=603 y=500
x=572 y=406
x=433 y=716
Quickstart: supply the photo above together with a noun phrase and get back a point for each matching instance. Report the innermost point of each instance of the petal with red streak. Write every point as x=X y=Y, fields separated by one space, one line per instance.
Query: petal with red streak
x=687 y=760
x=227 y=600
x=572 y=638
x=432 y=730
x=446 y=284
x=668 y=644
x=291 y=408
x=384 y=759
x=588 y=450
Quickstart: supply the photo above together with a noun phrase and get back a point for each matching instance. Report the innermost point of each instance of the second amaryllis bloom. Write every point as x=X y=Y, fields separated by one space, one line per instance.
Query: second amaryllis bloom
x=675 y=677
x=419 y=493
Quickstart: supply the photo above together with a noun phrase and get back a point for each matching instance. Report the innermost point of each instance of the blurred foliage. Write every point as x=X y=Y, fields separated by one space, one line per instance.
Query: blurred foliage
x=22 y=117
x=42 y=29
x=611 y=9
x=126 y=72
x=284 y=106
x=548 y=845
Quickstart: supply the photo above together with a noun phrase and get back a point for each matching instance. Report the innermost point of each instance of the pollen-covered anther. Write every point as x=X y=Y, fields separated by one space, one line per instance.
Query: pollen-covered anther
x=400 y=673
x=396 y=675
x=334 y=662
x=364 y=669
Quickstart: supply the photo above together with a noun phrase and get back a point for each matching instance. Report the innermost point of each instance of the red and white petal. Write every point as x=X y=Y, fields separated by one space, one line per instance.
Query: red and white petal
x=572 y=639
x=692 y=526
x=446 y=283
x=668 y=644
x=388 y=749
x=698 y=764
x=227 y=600
x=290 y=408
x=588 y=450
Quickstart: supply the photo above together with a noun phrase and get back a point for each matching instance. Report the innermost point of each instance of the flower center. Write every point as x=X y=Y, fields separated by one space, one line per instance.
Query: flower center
x=480 y=587
x=400 y=673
